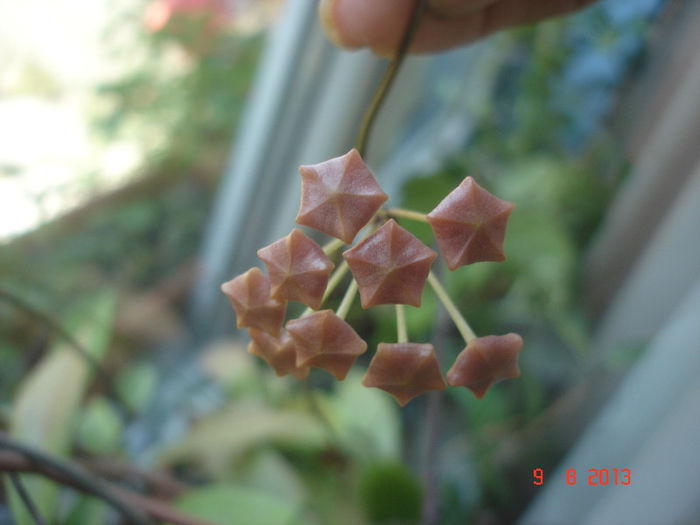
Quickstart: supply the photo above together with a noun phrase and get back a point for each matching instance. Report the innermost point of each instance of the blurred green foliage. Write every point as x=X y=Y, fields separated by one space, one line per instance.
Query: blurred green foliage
x=269 y=450
x=390 y=494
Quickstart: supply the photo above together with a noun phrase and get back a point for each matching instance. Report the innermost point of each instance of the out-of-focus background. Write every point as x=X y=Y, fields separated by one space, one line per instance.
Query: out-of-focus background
x=149 y=148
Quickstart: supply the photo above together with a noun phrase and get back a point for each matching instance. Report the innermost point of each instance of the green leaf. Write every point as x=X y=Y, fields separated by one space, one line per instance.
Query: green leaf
x=221 y=438
x=367 y=419
x=390 y=493
x=269 y=471
x=87 y=511
x=49 y=398
x=99 y=428
x=233 y=505
x=136 y=385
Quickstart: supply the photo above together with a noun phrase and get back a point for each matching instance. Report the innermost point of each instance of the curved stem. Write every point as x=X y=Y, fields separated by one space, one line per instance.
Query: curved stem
x=388 y=78
x=159 y=510
x=335 y=279
x=332 y=246
x=407 y=214
x=332 y=284
x=401 y=332
x=459 y=321
x=347 y=300
x=83 y=479
x=55 y=326
x=58 y=328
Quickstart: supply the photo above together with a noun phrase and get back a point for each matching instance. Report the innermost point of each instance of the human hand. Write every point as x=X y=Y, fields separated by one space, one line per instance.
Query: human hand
x=379 y=24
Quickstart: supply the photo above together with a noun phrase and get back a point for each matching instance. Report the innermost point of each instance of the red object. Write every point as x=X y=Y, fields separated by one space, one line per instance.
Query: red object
x=470 y=225
x=160 y=13
x=278 y=352
x=339 y=196
x=298 y=269
x=486 y=361
x=390 y=266
x=249 y=294
x=325 y=341
x=405 y=370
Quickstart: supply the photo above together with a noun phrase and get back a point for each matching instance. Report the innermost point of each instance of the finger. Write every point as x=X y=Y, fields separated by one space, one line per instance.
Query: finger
x=451 y=8
x=379 y=24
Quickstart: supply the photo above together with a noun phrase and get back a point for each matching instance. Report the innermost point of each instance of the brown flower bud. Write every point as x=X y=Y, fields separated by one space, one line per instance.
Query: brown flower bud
x=298 y=269
x=390 y=266
x=405 y=370
x=250 y=296
x=324 y=340
x=278 y=352
x=486 y=361
x=339 y=196
x=470 y=225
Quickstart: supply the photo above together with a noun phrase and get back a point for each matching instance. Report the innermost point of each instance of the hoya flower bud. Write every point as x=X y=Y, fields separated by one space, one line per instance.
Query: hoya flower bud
x=278 y=352
x=324 y=340
x=405 y=370
x=255 y=308
x=298 y=269
x=339 y=196
x=390 y=266
x=486 y=361
x=470 y=225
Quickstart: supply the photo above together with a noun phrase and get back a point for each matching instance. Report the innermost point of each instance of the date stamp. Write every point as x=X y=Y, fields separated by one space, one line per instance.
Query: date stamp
x=596 y=476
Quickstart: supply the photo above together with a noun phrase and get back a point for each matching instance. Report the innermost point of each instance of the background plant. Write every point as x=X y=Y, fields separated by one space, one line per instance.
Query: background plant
x=541 y=140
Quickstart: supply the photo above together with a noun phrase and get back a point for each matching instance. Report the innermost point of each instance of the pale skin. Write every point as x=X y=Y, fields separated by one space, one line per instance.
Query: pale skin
x=379 y=24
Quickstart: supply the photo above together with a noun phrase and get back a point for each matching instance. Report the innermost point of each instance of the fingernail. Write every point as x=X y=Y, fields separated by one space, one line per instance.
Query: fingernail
x=325 y=14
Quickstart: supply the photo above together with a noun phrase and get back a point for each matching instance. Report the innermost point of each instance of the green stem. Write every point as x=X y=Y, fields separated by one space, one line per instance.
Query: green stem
x=332 y=285
x=335 y=279
x=407 y=214
x=459 y=321
x=347 y=300
x=332 y=246
x=401 y=332
x=388 y=78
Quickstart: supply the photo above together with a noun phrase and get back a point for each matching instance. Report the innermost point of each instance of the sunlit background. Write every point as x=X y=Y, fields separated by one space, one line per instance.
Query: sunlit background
x=148 y=149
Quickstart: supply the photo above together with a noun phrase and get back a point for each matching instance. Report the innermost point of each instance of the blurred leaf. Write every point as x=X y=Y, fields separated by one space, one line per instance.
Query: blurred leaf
x=99 y=427
x=269 y=472
x=390 y=493
x=622 y=356
x=49 y=398
x=87 y=511
x=217 y=440
x=459 y=483
x=228 y=363
x=367 y=419
x=137 y=384
x=233 y=505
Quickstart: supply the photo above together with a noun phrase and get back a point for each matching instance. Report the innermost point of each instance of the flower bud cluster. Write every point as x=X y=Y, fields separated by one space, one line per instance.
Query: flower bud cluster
x=389 y=265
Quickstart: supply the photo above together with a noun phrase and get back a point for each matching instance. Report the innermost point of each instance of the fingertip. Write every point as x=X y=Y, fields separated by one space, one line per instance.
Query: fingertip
x=327 y=14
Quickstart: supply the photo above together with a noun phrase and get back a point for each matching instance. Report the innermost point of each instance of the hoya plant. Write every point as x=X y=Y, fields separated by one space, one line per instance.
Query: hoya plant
x=341 y=198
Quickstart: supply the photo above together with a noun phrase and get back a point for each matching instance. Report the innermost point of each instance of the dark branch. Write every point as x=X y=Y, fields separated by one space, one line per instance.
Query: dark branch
x=26 y=498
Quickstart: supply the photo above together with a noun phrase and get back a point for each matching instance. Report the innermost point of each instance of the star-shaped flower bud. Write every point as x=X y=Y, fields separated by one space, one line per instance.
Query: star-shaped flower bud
x=255 y=308
x=470 y=225
x=339 y=196
x=486 y=361
x=390 y=266
x=405 y=370
x=298 y=269
x=325 y=341
x=278 y=352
